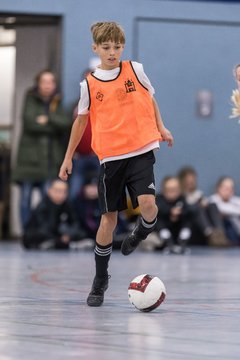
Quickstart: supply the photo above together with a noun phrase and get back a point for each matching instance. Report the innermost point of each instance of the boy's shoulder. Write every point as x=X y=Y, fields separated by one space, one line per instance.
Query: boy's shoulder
x=134 y=63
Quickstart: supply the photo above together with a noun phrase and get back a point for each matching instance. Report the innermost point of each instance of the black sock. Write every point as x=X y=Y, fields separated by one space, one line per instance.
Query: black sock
x=102 y=257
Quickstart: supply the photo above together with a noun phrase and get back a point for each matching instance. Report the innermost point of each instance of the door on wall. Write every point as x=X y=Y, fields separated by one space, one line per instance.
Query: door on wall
x=7 y=85
x=36 y=46
x=184 y=59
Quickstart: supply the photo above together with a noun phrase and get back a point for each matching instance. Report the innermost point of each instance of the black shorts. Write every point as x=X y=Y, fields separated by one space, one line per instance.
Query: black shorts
x=134 y=174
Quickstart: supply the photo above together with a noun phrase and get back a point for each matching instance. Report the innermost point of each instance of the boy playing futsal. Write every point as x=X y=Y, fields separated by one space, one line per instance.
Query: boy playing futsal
x=126 y=128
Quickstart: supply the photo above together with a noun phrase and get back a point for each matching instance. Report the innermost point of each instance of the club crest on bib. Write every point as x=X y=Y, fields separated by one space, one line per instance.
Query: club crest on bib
x=129 y=86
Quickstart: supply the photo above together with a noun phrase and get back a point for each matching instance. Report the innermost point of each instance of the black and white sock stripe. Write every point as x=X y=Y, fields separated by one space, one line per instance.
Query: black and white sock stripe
x=148 y=225
x=103 y=251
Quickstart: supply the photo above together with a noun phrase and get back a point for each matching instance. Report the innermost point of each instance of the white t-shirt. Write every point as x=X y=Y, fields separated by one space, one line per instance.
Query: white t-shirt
x=111 y=75
x=228 y=208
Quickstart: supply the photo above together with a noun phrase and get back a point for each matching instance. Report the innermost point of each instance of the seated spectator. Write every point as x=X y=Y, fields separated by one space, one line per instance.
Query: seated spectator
x=173 y=216
x=229 y=207
x=207 y=225
x=87 y=207
x=52 y=224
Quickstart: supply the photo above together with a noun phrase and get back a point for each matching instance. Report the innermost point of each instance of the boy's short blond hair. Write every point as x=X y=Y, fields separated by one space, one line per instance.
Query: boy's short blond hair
x=107 y=31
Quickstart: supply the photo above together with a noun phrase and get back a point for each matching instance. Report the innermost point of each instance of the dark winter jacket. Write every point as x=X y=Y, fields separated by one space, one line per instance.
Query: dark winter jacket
x=50 y=221
x=41 y=147
x=88 y=214
x=164 y=213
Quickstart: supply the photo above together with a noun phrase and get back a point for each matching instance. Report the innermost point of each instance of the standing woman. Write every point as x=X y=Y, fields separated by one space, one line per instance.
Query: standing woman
x=40 y=149
x=235 y=98
x=236 y=73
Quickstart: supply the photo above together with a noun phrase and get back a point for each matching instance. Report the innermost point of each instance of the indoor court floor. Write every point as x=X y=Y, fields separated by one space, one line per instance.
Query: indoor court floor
x=43 y=314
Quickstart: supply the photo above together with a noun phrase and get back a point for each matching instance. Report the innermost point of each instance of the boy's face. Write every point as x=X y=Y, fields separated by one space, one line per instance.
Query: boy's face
x=109 y=53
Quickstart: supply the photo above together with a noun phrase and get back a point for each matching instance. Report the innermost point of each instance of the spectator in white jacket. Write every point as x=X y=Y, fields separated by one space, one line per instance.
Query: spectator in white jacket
x=229 y=206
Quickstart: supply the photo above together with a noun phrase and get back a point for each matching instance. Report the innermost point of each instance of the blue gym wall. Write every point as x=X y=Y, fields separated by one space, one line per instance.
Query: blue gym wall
x=180 y=57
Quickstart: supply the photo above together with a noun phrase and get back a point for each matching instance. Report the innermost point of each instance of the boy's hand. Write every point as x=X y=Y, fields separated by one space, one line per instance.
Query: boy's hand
x=167 y=136
x=65 y=170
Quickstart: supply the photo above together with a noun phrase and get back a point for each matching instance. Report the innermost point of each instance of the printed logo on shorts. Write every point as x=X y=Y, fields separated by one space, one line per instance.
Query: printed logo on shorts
x=151 y=186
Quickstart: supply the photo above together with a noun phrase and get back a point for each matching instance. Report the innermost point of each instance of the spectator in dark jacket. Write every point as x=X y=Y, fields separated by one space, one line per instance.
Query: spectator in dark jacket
x=87 y=207
x=173 y=216
x=40 y=150
x=52 y=224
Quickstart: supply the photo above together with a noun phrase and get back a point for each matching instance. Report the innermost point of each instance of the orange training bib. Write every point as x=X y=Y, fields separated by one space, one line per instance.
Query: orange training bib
x=122 y=114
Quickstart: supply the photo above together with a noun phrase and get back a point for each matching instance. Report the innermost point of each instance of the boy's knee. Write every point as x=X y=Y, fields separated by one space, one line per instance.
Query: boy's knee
x=109 y=220
x=147 y=202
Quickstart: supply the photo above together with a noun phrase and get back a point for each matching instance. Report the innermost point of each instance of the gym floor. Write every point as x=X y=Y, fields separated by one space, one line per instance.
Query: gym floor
x=43 y=314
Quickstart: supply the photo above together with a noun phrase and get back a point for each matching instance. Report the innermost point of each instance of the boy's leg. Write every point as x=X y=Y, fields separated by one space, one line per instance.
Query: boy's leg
x=148 y=207
x=145 y=225
x=103 y=250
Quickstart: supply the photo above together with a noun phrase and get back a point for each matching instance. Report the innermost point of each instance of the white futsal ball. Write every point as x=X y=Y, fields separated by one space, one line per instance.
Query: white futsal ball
x=146 y=292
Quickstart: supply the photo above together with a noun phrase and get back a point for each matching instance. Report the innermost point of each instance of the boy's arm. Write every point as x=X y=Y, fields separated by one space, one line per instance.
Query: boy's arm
x=166 y=135
x=77 y=132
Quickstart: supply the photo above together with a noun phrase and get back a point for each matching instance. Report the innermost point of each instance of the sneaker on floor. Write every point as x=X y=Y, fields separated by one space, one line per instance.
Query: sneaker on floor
x=47 y=244
x=96 y=296
x=177 y=249
x=153 y=242
x=84 y=244
x=218 y=239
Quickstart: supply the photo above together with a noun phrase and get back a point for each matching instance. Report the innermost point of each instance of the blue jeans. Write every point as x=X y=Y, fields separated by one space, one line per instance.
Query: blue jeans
x=231 y=232
x=81 y=166
x=26 y=197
